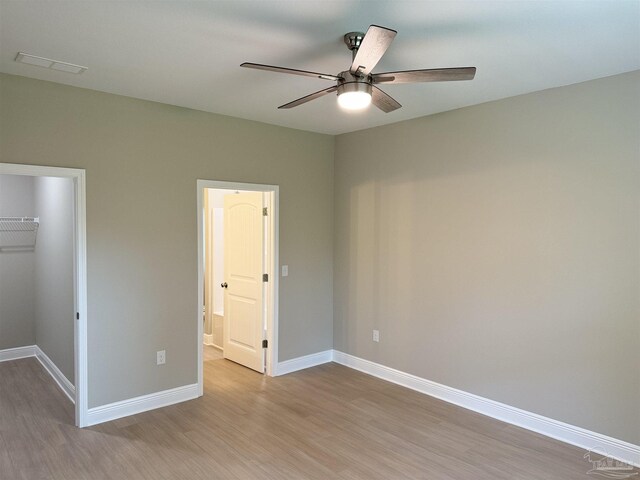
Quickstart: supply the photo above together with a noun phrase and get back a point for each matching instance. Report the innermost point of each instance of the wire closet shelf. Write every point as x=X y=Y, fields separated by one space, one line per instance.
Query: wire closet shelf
x=18 y=234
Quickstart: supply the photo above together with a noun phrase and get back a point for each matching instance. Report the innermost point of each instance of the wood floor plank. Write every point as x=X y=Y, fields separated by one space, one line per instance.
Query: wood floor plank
x=321 y=423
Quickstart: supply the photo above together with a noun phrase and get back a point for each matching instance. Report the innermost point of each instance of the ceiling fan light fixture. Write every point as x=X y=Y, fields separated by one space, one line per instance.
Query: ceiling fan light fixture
x=354 y=95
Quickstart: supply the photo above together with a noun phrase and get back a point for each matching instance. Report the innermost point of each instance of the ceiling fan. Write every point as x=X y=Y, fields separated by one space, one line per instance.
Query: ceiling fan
x=357 y=87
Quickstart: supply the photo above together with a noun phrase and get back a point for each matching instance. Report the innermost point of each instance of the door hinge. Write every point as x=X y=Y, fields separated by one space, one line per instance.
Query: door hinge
x=264 y=211
x=77 y=315
x=265 y=277
x=265 y=343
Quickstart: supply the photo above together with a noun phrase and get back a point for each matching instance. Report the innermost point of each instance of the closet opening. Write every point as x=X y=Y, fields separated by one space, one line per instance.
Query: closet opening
x=43 y=274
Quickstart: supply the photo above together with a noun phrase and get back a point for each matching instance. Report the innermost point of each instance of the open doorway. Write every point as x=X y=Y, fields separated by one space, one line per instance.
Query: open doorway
x=237 y=285
x=43 y=274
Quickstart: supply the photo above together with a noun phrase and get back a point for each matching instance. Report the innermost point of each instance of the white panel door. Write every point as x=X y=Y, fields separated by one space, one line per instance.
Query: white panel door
x=243 y=268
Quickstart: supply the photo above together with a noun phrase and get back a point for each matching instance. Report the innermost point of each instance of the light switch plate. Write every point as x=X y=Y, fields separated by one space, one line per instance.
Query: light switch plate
x=285 y=270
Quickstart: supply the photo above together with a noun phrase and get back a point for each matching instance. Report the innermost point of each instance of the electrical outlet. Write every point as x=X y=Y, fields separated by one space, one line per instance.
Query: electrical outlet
x=376 y=335
x=161 y=357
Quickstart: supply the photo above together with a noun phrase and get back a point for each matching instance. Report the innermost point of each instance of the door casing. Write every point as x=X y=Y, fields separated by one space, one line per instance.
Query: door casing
x=271 y=297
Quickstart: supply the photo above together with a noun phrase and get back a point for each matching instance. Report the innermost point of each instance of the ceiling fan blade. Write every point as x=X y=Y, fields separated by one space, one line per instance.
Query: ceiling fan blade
x=375 y=43
x=292 y=71
x=309 y=97
x=430 y=75
x=383 y=101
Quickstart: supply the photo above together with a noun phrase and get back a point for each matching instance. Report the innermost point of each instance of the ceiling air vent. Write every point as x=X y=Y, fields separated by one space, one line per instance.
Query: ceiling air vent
x=49 y=63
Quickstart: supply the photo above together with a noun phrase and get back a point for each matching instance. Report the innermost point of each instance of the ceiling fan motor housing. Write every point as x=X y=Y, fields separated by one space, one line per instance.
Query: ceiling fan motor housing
x=352 y=83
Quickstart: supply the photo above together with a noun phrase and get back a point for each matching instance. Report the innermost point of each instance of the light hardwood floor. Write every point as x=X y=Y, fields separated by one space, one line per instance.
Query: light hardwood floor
x=211 y=353
x=321 y=423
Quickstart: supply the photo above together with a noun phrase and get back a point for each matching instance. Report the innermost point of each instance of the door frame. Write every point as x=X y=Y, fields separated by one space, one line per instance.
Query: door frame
x=272 y=270
x=80 y=359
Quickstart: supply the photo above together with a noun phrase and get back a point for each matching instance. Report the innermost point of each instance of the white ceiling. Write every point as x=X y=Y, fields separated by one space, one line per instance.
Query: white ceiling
x=188 y=53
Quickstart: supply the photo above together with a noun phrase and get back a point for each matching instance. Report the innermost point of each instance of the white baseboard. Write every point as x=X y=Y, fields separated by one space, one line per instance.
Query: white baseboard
x=564 y=432
x=207 y=339
x=141 y=404
x=16 y=353
x=65 y=385
x=300 y=363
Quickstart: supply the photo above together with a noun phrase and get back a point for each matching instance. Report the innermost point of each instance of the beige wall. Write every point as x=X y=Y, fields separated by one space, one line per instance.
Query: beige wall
x=142 y=160
x=17 y=269
x=53 y=298
x=497 y=250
